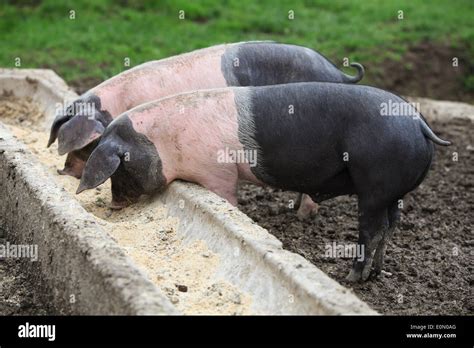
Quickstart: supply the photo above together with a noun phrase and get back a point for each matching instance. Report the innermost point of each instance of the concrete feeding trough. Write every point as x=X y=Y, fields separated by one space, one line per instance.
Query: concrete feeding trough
x=95 y=262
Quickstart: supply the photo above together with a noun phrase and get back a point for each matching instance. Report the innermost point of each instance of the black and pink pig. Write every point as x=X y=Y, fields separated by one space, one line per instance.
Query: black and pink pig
x=337 y=141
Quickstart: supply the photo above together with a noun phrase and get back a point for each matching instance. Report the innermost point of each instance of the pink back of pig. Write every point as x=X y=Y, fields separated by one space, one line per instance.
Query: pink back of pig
x=154 y=80
x=187 y=150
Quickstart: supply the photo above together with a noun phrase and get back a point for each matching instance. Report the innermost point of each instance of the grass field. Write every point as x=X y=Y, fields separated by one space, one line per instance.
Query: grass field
x=93 y=46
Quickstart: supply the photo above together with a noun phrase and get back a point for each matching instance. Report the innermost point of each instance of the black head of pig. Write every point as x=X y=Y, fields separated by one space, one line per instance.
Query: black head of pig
x=127 y=157
x=80 y=124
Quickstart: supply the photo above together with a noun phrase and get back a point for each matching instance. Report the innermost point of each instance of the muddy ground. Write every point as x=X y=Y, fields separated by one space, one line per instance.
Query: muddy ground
x=429 y=262
x=426 y=70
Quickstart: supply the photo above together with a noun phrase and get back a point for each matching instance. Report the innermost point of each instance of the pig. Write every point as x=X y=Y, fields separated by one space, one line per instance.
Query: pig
x=338 y=141
x=237 y=64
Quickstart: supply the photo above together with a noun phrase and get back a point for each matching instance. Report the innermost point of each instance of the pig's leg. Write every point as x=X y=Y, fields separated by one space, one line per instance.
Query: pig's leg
x=307 y=207
x=299 y=199
x=373 y=222
x=393 y=218
x=73 y=166
x=224 y=186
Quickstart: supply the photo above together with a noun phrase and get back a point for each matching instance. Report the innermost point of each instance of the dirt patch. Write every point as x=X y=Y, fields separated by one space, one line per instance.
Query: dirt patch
x=184 y=272
x=430 y=259
x=426 y=70
x=82 y=85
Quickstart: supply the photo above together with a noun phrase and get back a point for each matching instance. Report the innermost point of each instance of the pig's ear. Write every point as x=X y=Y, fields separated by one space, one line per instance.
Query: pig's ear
x=77 y=133
x=102 y=163
x=58 y=122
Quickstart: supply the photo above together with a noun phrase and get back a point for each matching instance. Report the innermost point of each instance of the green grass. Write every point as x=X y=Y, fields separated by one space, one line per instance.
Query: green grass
x=105 y=32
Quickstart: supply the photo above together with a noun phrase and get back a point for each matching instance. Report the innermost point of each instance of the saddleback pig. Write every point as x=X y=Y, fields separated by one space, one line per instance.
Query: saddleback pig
x=322 y=139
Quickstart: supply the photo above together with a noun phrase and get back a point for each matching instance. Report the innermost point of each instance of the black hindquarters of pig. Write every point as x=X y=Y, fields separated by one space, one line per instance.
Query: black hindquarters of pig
x=272 y=63
x=328 y=140
x=129 y=158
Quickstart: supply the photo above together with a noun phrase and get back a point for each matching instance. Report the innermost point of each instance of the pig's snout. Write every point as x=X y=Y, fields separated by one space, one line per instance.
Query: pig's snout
x=74 y=165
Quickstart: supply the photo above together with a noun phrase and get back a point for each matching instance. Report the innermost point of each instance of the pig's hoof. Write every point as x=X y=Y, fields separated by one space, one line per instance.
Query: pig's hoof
x=378 y=259
x=118 y=205
x=304 y=214
x=70 y=172
x=366 y=273
x=354 y=276
x=377 y=269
